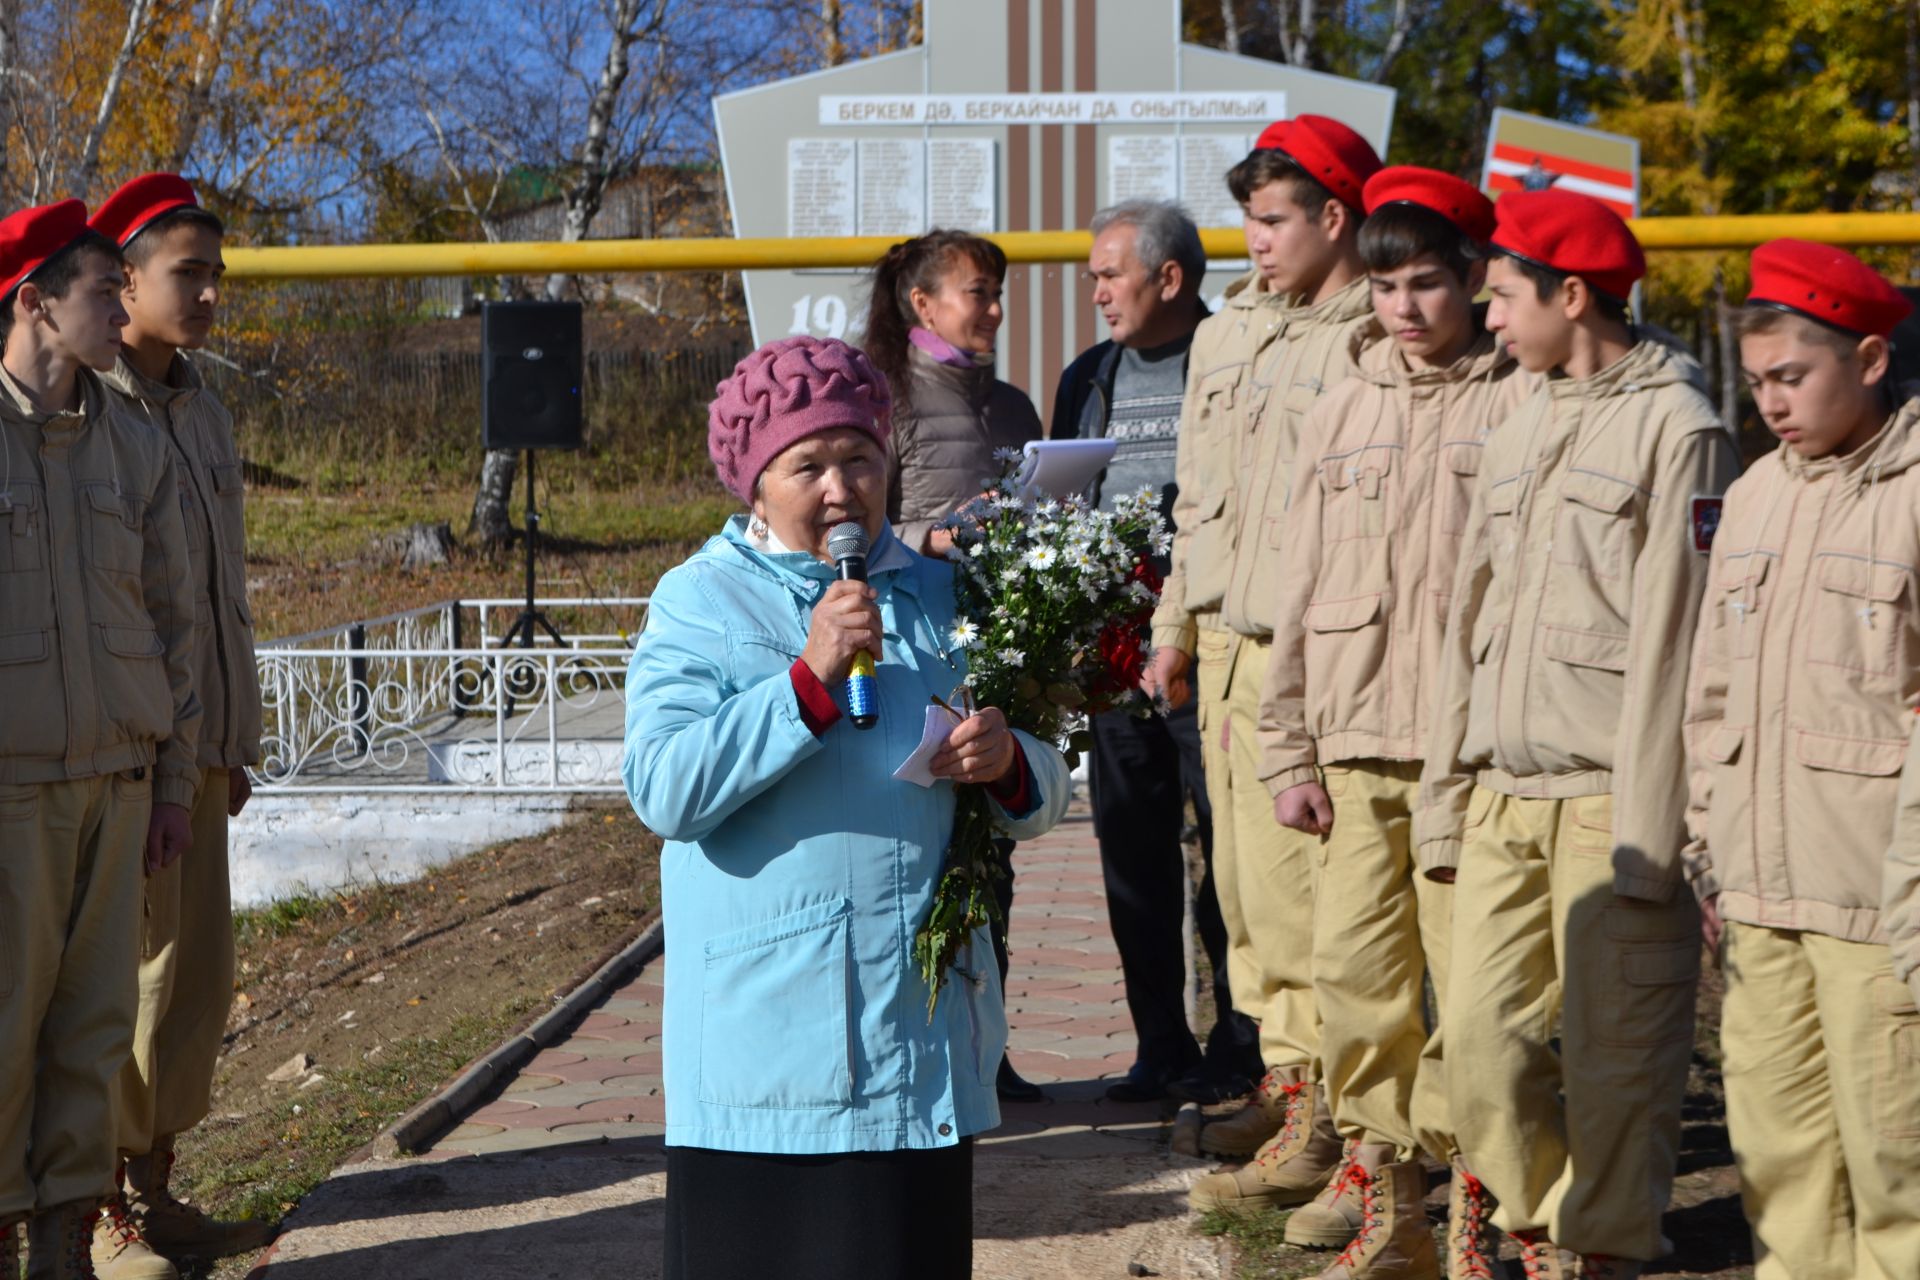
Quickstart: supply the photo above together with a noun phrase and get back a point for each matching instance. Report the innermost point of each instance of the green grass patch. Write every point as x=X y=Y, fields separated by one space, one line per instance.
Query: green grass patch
x=307 y=1136
x=306 y=909
x=1258 y=1237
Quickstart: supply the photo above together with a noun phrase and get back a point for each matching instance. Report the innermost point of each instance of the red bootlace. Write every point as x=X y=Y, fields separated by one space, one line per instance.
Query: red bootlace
x=1531 y=1260
x=1344 y=1176
x=80 y=1247
x=1471 y=1233
x=1369 y=1186
x=1288 y=1125
x=114 y=1210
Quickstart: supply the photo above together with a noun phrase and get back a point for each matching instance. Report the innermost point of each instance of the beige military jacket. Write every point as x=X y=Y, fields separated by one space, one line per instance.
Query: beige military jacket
x=1317 y=349
x=1806 y=674
x=1900 y=914
x=1225 y=394
x=1574 y=607
x=1381 y=492
x=96 y=598
x=211 y=497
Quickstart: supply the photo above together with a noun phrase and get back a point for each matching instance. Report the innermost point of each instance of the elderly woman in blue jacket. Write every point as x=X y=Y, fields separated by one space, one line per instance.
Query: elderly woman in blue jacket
x=818 y=1123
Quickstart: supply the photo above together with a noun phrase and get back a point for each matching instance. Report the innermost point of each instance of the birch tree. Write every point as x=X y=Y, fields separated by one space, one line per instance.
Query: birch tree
x=138 y=14
x=640 y=74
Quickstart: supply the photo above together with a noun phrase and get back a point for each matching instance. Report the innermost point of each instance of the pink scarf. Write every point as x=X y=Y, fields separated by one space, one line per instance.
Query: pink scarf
x=943 y=351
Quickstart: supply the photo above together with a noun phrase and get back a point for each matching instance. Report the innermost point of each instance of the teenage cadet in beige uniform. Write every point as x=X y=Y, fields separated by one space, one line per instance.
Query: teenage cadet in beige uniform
x=1229 y=348
x=97 y=753
x=172 y=248
x=1555 y=778
x=1805 y=675
x=1313 y=202
x=1382 y=487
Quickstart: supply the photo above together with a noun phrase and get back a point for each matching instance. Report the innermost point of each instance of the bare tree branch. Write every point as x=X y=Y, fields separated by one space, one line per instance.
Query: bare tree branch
x=206 y=64
x=1397 y=32
x=89 y=165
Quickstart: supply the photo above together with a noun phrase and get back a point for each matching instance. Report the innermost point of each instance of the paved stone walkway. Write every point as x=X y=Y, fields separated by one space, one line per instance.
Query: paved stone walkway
x=563 y=1172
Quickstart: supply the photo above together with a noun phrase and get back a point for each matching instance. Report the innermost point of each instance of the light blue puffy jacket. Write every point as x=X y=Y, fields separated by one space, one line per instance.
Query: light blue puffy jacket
x=796 y=868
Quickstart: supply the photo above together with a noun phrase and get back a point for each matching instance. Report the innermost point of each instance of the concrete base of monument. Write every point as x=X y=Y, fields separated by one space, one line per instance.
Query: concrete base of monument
x=284 y=845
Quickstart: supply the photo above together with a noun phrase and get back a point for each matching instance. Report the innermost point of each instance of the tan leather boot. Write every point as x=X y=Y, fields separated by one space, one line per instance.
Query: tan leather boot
x=1331 y=1219
x=1542 y=1259
x=1473 y=1250
x=1394 y=1241
x=119 y=1251
x=1290 y=1169
x=179 y=1229
x=1248 y=1129
x=60 y=1242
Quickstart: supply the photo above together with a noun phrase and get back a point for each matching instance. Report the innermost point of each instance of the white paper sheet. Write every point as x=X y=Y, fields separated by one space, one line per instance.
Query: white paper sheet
x=940 y=723
x=1063 y=468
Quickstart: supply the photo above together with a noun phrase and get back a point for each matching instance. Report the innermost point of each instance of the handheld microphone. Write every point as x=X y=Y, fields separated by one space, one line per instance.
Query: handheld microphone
x=847 y=544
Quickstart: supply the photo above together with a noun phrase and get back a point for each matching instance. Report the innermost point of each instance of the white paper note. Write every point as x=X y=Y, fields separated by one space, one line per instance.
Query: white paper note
x=1063 y=468
x=940 y=723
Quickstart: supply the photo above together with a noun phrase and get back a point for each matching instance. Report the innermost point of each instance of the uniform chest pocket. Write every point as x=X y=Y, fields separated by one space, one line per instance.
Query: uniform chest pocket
x=1595 y=525
x=1742 y=603
x=1356 y=488
x=22 y=530
x=1859 y=618
x=113 y=524
x=1215 y=400
x=1459 y=473
x=195 y=518
x=229 y=506
x=1213 y=507
x=1253 y=413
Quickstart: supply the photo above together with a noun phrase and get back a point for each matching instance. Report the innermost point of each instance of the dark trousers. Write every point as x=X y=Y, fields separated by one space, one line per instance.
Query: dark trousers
x=1003 y=894
x=878 y=1215
x=1141 y=772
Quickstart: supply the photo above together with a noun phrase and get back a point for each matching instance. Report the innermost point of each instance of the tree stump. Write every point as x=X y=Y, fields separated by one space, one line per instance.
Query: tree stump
x=418 y=546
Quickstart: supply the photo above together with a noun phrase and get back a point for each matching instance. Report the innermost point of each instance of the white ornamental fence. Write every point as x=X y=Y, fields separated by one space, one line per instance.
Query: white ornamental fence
x=437 y=700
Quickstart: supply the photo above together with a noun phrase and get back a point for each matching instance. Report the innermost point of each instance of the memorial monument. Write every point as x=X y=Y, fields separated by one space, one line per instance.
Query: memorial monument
x=1013 y=115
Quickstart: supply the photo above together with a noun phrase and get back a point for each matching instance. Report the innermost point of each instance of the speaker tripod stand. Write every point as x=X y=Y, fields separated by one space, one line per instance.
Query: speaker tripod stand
x=519 y=679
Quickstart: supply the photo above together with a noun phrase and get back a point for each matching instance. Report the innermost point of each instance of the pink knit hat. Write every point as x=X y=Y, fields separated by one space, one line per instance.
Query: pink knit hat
x=784 y=392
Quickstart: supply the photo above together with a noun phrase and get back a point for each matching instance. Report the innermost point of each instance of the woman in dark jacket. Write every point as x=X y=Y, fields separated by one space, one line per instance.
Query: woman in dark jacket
x=935 y=313
x=931 y=326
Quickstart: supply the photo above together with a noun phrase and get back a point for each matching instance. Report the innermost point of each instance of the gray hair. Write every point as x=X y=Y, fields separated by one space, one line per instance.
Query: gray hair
x=1162 y=233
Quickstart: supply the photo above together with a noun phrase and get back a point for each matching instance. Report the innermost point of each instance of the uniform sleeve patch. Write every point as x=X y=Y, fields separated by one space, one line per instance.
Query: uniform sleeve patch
x=1706 y=521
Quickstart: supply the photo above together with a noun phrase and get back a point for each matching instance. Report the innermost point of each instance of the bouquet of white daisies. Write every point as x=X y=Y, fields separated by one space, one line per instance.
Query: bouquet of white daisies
x=1054 y=600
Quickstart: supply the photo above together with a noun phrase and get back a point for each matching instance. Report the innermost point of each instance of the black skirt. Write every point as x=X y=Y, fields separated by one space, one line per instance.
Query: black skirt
x=878 y=1215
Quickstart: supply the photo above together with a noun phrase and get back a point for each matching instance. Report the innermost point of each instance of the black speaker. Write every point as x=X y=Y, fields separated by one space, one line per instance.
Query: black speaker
x=530 y=352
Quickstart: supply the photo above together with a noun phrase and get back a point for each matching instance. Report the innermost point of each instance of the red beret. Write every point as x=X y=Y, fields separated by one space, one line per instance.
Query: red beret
x=1570 y=233
x=1331 y=154
x=1827 y=284
x=128 y=211
x=28 y=238
x=1458 y=201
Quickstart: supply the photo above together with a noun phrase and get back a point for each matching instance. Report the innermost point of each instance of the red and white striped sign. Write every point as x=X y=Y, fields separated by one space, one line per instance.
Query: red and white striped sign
x=1531 y=153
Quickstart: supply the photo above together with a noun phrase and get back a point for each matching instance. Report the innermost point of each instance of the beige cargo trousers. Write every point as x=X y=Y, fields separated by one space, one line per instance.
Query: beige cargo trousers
x=1581 y=1143
x=1266 y=873
x=185 y=985
x=1821 y=1049
x=70 y=885
x=1380 y=929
